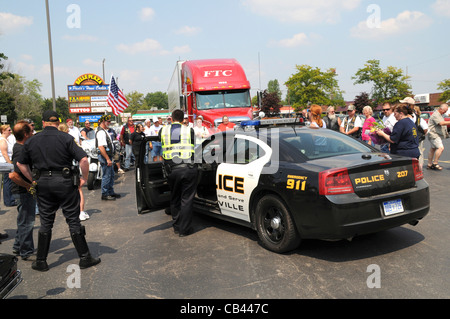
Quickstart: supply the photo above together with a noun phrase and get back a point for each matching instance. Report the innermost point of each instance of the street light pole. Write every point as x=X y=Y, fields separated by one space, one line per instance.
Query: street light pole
x=103 y=64
x=51 y=55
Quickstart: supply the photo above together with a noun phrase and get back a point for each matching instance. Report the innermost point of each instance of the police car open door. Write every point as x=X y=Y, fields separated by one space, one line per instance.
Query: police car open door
x=152 y=188
x=238 y=175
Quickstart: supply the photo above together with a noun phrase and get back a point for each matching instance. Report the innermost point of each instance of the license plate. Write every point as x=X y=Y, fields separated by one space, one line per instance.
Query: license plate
x=393 y=207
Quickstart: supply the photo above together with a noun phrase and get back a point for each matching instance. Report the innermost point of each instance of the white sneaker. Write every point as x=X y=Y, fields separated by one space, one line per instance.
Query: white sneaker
x=120 y=171
x=84 y=216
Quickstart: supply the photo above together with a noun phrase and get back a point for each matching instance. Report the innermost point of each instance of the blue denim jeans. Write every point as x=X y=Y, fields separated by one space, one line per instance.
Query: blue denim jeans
x=26 y=209
x=107 y=178
x=8 y=198
x=128 y=155
x=385 y=148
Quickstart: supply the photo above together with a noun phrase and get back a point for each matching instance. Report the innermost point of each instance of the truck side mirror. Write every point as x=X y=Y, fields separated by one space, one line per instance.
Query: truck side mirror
x=259 y=96
x=183 y=102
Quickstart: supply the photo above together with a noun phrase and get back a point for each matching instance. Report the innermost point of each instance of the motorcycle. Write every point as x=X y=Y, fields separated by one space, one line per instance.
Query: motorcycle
x=95 y=173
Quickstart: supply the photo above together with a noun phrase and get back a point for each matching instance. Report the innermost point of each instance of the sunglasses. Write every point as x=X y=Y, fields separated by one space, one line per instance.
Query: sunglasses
x=385 y=110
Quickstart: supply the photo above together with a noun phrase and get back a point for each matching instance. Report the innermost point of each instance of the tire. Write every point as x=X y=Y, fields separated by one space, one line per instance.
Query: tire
x=91 y=180
x=274 y=225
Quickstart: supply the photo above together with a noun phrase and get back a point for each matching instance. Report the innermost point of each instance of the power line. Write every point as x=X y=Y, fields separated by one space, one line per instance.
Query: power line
x=429 y=60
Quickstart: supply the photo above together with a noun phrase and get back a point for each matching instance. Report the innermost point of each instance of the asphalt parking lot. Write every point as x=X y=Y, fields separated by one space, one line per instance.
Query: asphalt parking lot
x=143 y=259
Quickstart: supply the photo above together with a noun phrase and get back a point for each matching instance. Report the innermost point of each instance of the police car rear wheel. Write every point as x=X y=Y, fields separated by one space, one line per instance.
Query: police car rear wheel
x=274 y=225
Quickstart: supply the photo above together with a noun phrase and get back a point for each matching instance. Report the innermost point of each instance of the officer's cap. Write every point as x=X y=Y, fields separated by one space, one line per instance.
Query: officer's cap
x=50 y=116
x=105 y=118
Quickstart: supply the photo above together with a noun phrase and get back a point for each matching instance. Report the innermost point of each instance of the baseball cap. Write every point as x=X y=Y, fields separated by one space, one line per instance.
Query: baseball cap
x=351 y=107
x=50 y=116
x=105 y=118
x=408 y=100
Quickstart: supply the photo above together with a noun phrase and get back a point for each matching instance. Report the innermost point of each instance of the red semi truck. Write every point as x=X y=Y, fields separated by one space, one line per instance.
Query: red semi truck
x=211 y=88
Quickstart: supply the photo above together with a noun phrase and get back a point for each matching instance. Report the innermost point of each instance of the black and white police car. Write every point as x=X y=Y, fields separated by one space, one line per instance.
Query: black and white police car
x=291 y=182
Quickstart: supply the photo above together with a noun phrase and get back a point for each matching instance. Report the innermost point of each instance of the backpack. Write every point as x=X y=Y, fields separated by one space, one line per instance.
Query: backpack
x=420 y=131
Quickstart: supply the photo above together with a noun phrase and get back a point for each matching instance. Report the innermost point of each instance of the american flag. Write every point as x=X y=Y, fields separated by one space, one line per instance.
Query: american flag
x=116 y=99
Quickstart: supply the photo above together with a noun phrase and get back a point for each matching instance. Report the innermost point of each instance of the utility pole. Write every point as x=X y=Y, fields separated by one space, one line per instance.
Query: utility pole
x=51 y=55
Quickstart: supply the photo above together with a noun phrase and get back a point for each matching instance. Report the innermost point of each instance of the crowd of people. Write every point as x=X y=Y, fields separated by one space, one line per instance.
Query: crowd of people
x=404 y=130
x=45 y=179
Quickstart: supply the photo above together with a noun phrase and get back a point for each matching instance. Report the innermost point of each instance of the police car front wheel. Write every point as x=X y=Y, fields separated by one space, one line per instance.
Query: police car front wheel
x=274 y=225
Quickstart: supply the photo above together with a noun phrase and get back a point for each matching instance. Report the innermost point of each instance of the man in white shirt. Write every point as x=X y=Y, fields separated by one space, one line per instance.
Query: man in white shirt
x=106 y=148
x=147 y=127
x=352 y=124
x=389 y=121
x=156 y=153
x=74 y=131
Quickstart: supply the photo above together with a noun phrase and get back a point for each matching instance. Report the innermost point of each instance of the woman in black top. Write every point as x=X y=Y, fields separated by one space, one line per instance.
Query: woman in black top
x=136 y=139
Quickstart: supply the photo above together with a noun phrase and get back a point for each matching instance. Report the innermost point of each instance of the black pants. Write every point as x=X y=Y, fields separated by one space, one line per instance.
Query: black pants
x=58 y=192
x=183 y=185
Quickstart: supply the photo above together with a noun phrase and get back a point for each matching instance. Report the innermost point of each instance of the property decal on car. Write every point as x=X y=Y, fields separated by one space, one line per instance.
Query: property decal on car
x=296 y=182
x=369 y=179
x=231 y=183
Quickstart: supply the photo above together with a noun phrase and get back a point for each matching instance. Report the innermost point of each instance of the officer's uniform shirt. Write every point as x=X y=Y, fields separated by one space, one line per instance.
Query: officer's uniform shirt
x=51 y=149
x=175 y=137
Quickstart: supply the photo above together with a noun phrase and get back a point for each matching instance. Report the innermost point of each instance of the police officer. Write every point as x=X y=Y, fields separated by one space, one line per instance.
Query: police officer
x=52 y=153
x=177 y=143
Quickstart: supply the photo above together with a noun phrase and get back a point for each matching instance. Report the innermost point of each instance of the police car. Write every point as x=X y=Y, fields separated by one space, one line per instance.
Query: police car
x=291 y=182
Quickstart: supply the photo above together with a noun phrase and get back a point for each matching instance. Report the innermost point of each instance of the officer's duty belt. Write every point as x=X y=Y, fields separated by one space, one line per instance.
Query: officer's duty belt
x=64 y=172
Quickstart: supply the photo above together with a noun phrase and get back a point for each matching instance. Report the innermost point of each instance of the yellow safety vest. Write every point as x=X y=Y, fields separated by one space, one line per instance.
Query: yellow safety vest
x=184 y=149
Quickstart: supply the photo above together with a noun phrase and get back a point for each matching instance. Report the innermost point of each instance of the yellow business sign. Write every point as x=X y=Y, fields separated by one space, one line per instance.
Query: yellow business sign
x=79 y=99
x=89 y=79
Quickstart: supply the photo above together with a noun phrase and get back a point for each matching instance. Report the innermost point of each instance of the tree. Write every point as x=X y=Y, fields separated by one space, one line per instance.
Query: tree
x=274 y=87
x=157 y=100
x=135 y=102
x=26 y=94
x=361 y=101
x=445 y=86
x=389 y=85
x=4 y=75
x=7 y=107
x=270 y=103
x=313 y=86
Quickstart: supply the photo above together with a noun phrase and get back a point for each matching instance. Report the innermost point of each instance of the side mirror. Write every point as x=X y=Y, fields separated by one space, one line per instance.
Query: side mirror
x=183 y=102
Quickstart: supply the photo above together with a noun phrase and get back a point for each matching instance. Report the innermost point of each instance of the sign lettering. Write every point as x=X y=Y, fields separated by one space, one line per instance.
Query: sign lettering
x=231 y=184
x=218 y=73
x=79 y=110
x=89 y=76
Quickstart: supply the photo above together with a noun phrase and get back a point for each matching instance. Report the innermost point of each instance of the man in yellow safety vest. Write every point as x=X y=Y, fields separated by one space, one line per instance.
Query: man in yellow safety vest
x=177 y=141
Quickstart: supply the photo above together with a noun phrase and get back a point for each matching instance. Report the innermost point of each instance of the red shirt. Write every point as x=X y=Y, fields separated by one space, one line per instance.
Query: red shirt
x=223 y=127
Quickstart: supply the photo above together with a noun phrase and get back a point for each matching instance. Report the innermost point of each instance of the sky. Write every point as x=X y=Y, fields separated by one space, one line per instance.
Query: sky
x=140 y=41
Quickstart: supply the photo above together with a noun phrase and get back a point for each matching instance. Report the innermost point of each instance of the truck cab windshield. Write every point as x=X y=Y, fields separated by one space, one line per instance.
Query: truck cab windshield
x=223 y=99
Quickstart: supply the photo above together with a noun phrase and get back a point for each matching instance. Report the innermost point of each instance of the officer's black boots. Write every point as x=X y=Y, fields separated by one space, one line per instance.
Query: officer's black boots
x=79 y=240
x=42 y=251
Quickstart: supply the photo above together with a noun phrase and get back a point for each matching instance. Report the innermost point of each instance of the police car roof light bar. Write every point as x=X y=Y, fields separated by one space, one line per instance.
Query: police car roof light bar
x=270 y=122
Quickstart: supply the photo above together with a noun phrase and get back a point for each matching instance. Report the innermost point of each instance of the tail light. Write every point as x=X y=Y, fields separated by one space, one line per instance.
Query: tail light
x=418 y=173
x=335 y=182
